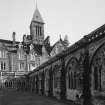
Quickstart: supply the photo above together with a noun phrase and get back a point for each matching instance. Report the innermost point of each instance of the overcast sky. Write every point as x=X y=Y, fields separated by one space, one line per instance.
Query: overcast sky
x=74 y=18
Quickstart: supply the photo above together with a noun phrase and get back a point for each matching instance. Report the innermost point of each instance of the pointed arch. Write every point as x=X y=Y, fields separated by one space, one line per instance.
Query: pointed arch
x=97 y=69
x=71 y=72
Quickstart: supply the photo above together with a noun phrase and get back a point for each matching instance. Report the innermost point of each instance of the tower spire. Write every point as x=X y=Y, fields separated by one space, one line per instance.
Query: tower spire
x=37 y=26
x=60 y=37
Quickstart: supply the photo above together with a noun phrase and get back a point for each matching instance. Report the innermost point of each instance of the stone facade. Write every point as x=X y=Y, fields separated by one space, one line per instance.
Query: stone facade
x=18 y=58
x=64 y=75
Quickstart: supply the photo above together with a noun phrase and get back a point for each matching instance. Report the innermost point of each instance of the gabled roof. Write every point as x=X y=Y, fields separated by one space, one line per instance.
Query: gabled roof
x=47 y=45
x=59 y=41
x=37 y=16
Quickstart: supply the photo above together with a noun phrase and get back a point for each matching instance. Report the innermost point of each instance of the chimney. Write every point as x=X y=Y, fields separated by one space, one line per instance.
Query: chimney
x=13 y=36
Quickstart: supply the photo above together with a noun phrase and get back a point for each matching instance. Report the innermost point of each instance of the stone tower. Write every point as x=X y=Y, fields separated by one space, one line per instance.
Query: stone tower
x=37 y=28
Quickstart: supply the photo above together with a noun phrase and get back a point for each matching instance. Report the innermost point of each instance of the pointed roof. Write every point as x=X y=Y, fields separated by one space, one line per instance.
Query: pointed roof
x=37 y=16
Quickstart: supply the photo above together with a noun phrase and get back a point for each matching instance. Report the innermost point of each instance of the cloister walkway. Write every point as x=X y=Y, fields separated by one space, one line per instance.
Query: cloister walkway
x=13 y=97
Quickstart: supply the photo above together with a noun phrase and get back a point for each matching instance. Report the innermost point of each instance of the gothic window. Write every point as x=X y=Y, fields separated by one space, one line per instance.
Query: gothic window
x=74 y=81
x=72 y=69
x=40 y=80
x=98 y=69
x=55 y=81
x=19 y=55
x=95 y=78
x=21 y=66
x=1 y=65
x=40 y=31
x=69 y=80
x=56 y=77
x=47 y=80
x=3 y=54
x=36 y=30
x=4 y=65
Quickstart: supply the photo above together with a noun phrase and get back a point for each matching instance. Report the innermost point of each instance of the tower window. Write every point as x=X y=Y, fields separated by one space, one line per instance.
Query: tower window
x=36 y=16
x=40 y=31
x=1 y=65
x=4 y=66
x=36 y=30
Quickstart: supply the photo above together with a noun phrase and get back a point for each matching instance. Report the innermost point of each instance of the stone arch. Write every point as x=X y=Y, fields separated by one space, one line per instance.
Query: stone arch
x=97 y=66
x=73 y=81
x=54 y=75
x=56 y=80
x=71 y=69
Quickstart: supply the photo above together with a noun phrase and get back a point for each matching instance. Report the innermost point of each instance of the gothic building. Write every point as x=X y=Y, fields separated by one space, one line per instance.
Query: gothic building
x=18 y=58
x=37 y=46
x=77 y=73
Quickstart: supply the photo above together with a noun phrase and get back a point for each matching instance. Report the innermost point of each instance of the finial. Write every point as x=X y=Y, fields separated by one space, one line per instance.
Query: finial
x=60 y=36
x=36 y=4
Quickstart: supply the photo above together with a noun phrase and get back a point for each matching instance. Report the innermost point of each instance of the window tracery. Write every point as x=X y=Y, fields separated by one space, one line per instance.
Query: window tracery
x=73 y=79
x=98 y=69
x=56 y=76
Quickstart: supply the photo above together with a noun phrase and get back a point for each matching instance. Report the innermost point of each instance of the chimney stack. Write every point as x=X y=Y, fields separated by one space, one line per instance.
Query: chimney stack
x=13 y=36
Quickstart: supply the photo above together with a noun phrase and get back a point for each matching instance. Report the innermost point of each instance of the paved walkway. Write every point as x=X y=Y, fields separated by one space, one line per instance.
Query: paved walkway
x=12 y=97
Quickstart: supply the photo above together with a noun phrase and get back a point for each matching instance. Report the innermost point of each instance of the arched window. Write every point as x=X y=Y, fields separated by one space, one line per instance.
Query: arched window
x=74 y=80
x=98 y=69
x=72 y=69
x=69 y=80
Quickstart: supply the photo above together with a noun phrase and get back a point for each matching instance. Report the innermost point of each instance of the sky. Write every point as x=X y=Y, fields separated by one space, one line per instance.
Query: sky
x=74 y=18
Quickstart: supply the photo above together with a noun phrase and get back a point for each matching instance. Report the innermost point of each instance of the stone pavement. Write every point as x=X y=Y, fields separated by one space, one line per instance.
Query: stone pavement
x=13 y=97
